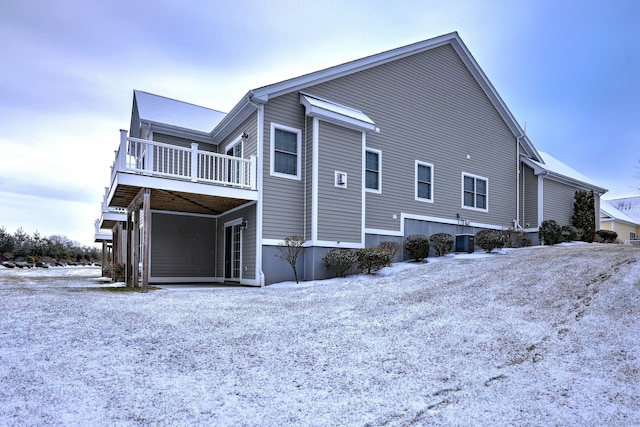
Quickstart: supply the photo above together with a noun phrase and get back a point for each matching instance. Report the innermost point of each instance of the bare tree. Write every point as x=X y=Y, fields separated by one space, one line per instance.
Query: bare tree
x=290 y=250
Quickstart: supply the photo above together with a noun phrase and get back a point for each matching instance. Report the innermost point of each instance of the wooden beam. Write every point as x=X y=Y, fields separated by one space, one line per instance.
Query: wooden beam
x=135 y=246
x=129 y=260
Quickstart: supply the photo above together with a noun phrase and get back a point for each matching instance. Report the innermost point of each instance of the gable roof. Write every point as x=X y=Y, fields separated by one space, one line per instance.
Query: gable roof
x=160 y=110
x=555 y=169
x=261 y=95
x=610 y=210
x=630 y=206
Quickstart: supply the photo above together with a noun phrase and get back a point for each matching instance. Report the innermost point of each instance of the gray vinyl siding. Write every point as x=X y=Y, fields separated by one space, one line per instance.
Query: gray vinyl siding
x=283 y=198
x=248 y=241
x=558 y=202
x=182 y=245
x=529 y=194
x=430 y=108
x=249 y=147
x=339 y=209
x=181 y=142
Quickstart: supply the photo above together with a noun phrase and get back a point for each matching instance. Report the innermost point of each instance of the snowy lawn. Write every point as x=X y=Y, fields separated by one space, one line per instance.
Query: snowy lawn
x=538 y=336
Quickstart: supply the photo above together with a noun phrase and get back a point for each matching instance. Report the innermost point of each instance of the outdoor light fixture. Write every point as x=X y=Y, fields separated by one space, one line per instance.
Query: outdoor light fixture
x=245 y=136
x=244 y=225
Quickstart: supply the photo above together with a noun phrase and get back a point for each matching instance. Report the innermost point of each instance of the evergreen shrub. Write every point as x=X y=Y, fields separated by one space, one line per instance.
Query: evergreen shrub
x=569 y=233
x=417 y=247
x=490 y=239
x=392 y=247
x=442 y=243
x=340 y=261
x=606 y=236
x=550 y=232
x=371 y=260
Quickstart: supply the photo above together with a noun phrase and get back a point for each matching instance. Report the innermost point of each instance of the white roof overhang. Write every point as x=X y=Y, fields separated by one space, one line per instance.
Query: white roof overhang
x=335 y=113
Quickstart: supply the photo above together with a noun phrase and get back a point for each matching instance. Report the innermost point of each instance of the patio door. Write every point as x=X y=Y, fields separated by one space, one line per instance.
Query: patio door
x=232 y=251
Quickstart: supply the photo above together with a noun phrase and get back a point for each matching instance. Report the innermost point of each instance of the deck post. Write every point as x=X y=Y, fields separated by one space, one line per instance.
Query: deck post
x=136 y=246
x=252 y=172
x=194 y=162
x=129 y=245
x=146 y=221
x=122 y=152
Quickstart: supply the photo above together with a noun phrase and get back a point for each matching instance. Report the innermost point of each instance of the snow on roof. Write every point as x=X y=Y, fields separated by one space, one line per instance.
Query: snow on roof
x=159 y=109
x=629 y=206
x=555 y=166
x=607 y=207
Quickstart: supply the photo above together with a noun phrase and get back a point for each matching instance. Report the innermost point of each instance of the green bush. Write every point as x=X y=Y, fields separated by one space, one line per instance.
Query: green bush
x=442 y=243
x=340 y=261
x=117 y=272
x=515 y=238
x=490 y=239
x=606 y=236
x=392 y=247
x=371 y=260
x=550 y=232
x=417 y=247
x=569 y=233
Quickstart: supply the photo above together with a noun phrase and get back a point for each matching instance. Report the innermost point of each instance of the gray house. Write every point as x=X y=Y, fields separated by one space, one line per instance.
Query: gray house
x=412 y=140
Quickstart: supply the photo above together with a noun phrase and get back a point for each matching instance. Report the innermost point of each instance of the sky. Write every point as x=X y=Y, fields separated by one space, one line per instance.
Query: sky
x=568 y=71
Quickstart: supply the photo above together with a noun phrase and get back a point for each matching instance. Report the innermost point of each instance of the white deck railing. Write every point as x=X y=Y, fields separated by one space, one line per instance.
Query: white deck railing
x=152 y=158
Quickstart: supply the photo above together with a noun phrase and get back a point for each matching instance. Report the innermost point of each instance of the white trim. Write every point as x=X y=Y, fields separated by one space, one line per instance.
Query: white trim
x=259 y=275
x=320 y=243
x=476 y=177
x=336 y=180
x=229 y=146
x=541 y=198
x=234 y=222
x=272 y=145
x=315 y=165
x=363 y=193
x=335 y=113
x=422 y=199
x=364 y=170
x=405 y=216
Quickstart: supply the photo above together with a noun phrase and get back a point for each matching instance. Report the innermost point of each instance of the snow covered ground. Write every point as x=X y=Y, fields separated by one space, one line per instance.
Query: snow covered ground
x=537 y=336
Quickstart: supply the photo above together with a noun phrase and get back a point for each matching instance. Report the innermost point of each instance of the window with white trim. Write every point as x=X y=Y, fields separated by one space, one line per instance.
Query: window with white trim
x=474 y=192
x=372 y=168
x=286 y=147
x=424 y=181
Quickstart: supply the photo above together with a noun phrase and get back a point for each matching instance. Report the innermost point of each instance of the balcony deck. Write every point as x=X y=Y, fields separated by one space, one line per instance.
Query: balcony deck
x=180 y=179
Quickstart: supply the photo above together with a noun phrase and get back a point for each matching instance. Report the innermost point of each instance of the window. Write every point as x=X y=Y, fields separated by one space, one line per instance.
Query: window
x=424 y=181
x=233 y=168
x=285 y=151
x=372 y=170
x=474 y=192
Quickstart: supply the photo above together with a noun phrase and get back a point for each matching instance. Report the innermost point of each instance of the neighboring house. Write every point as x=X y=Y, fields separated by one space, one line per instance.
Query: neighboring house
x=621 y=216
x=412 y=140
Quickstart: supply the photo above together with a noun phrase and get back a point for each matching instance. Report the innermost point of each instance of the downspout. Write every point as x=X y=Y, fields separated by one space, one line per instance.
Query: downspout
x=259 y=274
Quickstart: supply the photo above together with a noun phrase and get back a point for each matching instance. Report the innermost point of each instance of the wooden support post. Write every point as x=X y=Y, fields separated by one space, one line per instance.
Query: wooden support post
x=129 y=260
x=146 y=221
x=136 y=246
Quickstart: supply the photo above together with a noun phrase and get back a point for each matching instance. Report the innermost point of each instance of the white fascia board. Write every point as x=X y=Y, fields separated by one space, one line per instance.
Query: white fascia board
x=539 y=169
x=338 y=114
x=404 y=216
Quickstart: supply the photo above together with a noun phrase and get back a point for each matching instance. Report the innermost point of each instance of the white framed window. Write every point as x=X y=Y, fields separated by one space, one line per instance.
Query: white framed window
x=424 y=181
x=373 y=170
x=286 y=148
x=475 y=192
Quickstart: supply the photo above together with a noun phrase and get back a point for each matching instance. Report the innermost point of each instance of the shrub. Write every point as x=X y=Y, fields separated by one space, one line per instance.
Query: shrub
x=584 y=214
x=290 y=250
x=392 y=247
x=515 y=238
x=569 y=233
x=417 y=246
x=606 y=236
x=442 y=243
x=117 y=272
x=371 y=260
x=490 y=239
x=341 y=261
x=550 y=232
